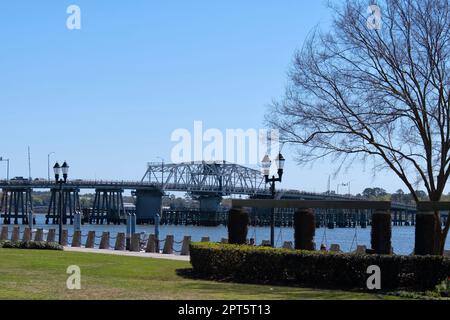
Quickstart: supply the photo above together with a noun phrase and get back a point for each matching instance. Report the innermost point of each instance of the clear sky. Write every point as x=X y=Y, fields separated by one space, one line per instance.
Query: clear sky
x=106 y=98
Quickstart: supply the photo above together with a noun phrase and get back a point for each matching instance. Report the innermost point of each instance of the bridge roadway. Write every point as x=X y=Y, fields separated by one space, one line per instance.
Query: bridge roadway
x=206 y=181
x=177 y=187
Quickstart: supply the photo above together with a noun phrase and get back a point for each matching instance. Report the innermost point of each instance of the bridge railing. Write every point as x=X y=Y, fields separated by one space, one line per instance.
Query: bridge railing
x=317 y=204
x=310 y=204
x=186 y=187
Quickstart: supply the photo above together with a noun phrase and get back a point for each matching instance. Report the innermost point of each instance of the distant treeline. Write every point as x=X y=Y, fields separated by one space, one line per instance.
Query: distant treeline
x=398 y=196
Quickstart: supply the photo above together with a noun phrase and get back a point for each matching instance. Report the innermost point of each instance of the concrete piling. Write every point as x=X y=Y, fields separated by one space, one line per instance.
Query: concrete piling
x=39 y=235
x=168 y=245
x=151 y=244
x=90 y=241
x=4 y=233
x=135 y=243
x=120 y=242
x=26 y=235
x=76 y=239
x=335 y=248
x=50 y=235
x=185 y=246
x=104 y=242
x=15 y=234
x=265 y=243
x=288 y=245
x=64 y=238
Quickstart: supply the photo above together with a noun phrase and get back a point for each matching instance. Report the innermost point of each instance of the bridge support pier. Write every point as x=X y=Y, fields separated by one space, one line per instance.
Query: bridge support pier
x=15 y=205
x=108 y=205
x=148 y=204
x=70 y=201
x=209 y=207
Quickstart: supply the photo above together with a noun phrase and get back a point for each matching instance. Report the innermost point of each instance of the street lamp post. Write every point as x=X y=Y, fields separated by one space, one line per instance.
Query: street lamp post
x=7 y=167
x=266 y=163
x=64 y=169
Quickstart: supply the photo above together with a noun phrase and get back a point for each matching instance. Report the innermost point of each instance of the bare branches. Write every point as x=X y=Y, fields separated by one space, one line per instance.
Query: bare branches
x=375 y=93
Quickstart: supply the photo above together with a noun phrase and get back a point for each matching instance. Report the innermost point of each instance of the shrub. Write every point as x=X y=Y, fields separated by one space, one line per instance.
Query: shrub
x=314 y=268
x=237 y=226
x=304 y=229
x=36 y=245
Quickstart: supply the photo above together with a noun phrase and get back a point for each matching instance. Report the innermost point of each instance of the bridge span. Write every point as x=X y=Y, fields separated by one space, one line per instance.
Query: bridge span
x=207 y=182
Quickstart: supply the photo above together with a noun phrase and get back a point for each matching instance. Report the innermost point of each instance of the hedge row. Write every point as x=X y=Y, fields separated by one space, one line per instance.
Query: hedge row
x=317 y=269
x=30 y=245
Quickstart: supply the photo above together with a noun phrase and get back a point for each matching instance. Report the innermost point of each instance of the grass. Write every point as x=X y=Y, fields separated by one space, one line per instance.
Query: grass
x=37 y=274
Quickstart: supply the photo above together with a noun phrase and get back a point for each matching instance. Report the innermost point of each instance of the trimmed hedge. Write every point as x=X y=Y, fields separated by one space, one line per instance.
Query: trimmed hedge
x=36 y=245
x=314 y=268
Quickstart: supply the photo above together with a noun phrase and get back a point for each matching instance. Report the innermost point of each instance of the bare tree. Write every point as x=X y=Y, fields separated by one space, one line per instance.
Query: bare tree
x=369 y=89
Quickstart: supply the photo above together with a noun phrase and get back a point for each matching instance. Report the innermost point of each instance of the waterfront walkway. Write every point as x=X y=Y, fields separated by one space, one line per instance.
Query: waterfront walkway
x=129 y=253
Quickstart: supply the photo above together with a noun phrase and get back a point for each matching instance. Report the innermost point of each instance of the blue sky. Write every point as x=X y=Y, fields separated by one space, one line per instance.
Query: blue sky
x=107 y=97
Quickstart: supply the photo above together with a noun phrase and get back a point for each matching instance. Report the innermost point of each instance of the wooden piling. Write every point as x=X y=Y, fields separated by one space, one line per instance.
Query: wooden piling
x=39 y=236
x=90 y=241
x=104 y=242
x=65 y=237
x=15 y=234
x=120 y=242
x=26 y=235
x=185 y=246
x=76 y=239
x=135 y=243
x=288 y=245
x=4 y=233
x=168 y=245
x=151 y=244
x=265 y=243
x=50 y=235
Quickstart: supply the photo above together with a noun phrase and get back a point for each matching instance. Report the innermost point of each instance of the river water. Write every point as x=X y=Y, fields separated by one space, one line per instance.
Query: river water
x=347 y=238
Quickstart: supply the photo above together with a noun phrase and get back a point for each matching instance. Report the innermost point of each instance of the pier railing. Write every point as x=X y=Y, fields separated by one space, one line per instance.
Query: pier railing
x=311 y=204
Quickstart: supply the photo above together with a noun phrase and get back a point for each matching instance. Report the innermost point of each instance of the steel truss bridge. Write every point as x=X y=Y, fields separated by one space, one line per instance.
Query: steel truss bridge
x=222 y=178
x=206 y=181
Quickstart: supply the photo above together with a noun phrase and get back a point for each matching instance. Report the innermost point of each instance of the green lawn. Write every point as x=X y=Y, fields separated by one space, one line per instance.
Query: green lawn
x=34 y=274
